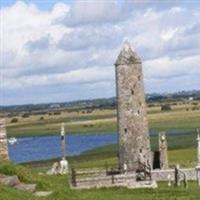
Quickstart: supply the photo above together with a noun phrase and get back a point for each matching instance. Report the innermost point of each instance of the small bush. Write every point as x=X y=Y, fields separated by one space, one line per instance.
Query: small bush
x=42 y=118
x=57 y=113
x=25 y=115
x=195 y=103
x=14 y=120
x=195 y=108
x=151 y=105
x=166 y=107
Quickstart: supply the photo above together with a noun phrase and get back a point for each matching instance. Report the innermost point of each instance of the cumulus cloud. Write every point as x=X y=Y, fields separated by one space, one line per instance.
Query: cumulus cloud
x=92 y=12
x=80 y=76
x=73 y=47
x=40 y=44
x=97 y=37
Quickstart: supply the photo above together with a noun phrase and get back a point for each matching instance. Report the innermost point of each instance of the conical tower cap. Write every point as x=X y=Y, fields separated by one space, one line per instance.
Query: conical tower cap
x=127 y=56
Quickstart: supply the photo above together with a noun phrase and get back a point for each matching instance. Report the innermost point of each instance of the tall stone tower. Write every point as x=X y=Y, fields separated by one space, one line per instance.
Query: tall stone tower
x=134 y=143
x=3 y=141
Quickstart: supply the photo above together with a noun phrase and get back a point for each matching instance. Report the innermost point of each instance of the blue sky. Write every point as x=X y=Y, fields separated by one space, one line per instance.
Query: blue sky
x=55 y=51
x=41 y=4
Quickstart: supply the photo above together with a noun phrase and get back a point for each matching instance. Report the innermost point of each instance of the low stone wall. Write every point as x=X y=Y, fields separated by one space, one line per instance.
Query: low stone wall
x=162 y=175
x=123 y=180
x=129 y=180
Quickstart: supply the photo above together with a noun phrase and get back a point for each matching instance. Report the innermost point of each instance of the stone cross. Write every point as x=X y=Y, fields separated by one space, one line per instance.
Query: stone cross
x=62 y=133
x=3 y=141
x=132 y=115
x=198 y=148
x=198 y=157
x=163 y=151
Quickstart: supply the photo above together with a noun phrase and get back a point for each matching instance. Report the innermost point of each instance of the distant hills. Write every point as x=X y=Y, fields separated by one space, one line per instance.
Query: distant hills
x=100 y=103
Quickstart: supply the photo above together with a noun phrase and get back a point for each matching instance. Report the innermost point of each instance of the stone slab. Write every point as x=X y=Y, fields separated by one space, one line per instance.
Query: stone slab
x=26 y=187
x=42 y=193
x=9 y=180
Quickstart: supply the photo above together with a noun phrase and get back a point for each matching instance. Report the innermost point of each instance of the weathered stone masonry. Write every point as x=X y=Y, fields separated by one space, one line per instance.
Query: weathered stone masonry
x=163 y=151
x=3 y=141
x=132 y=115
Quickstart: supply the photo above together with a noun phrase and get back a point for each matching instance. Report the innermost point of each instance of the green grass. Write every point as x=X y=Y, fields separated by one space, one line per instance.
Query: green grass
x=61 y=191
x=97 y=158
x=184 y=157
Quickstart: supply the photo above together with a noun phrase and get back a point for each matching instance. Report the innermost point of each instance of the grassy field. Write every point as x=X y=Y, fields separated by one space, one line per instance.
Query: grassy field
x=61 y=190
x=182 y=116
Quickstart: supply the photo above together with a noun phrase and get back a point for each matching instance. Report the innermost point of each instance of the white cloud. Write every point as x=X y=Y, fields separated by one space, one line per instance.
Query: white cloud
x=166 y=68
x=92 y=12
x=168 y=34
x=80 y=76
x=37 y=50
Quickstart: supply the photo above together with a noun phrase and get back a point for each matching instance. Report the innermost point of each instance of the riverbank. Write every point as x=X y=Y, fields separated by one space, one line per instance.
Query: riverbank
x=107 y=155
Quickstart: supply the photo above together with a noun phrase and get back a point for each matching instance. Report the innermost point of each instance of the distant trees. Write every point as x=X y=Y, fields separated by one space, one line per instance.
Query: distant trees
x=165 y=107
x=54 y=113
x=57 y=113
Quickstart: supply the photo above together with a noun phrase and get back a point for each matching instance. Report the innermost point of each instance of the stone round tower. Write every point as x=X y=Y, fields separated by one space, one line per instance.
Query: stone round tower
x=134 y=143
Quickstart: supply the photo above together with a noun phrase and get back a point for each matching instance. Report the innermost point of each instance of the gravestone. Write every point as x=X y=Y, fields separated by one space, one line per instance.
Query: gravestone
x=198 y=148
x=177 y=176
x=3 y=141
x=198 y=158
x=132 y=115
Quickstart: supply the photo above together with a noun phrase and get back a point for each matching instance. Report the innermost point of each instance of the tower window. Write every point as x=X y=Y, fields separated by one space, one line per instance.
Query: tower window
x=125 y=130
x=132 y=92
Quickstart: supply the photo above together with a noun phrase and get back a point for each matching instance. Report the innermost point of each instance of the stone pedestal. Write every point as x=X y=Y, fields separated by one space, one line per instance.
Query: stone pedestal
x=198 y=174
x=134 y=143
x=3 y=141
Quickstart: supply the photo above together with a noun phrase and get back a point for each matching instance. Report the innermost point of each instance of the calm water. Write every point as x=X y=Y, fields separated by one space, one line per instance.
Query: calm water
x=47 y=147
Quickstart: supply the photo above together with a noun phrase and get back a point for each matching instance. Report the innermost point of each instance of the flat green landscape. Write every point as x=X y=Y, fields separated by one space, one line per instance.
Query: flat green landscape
x=182 y=116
